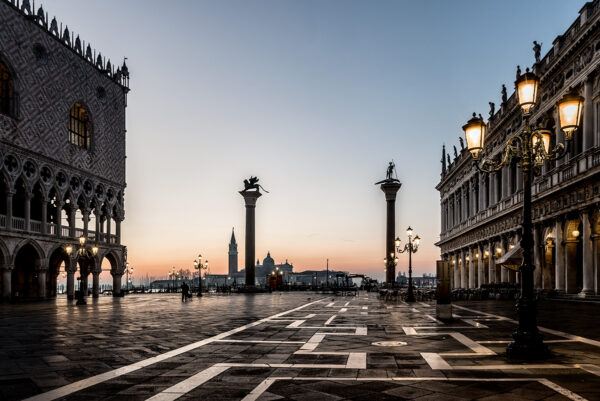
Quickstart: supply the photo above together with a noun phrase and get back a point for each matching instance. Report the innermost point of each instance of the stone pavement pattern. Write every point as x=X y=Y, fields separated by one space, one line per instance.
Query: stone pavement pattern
x=287 y=346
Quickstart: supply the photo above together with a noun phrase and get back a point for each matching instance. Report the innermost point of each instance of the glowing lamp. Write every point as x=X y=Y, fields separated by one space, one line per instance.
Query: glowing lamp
x=409 y=231
x=95 y=250
x=417 y=240
x=69 y=249
x=397 y=242
x=527 y=88
x=82 y=240
x=570 y=108
x=475 y=130
x=575 y=233
x=541 y=139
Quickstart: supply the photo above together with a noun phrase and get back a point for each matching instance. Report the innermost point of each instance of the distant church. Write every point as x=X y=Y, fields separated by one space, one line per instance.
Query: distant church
x=267 y=267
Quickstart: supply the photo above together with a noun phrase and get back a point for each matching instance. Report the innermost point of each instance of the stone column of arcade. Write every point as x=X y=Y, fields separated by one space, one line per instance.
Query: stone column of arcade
x=250 y=198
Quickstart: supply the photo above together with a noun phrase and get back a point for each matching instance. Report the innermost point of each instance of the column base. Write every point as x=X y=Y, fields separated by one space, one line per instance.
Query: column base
x=443 y=311
x=585 y=293
x=527 y=346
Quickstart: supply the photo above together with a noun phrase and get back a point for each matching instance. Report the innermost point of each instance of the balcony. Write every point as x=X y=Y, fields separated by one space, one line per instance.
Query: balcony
x=35 y=227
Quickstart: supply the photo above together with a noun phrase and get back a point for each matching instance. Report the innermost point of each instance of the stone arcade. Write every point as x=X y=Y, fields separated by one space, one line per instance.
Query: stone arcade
x=481 y=213
x=62 y=152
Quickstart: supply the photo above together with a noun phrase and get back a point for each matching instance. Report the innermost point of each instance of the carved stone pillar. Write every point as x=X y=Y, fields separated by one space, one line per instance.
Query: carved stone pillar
x=41 y=283
x=118 y=221
x=44 y=215
x=6 y=281
x=588 y=255
x=97 y=214
x=491 y=263
x=456 y=267
x=86 y=220
x=95 y=283
x=588 y=115
x=463 y=269
x=108 y=221
x=538 y=247
x=560 y=257
x=72 y=211
x=560 y=138
x=116 y=283
x=27 y=208
x=9 y=208
x=59 y=206
x=480 y=266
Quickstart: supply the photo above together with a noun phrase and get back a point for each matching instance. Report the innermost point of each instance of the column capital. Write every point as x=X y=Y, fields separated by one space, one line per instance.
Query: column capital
x=250 y=197
x=390 y=189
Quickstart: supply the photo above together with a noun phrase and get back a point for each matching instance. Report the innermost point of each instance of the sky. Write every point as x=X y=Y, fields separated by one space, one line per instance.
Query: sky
x=314 y=98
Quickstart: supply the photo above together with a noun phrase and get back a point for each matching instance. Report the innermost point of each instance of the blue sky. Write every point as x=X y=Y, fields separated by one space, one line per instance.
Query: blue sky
x=314 y=97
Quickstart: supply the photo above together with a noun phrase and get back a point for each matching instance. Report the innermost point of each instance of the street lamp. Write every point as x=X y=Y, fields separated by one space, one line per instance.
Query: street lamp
x=198 y=265
x=411 y=247
x=128 y=271
x=83 y=251
x=530 y=148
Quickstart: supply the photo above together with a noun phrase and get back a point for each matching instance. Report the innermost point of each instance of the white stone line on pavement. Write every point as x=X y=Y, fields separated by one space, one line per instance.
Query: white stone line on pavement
x=261 y=388
x=260 y=341
x=435 y=361
x=265 y=384
x=329 y=305
x=346 y=304
x=295 y=324
x=588 y=367
x=561 y=390
x=184 y=387
x=434 y=319
x=365 y=307
x=328 y=321
x=343 y=310
x=364 y=313
x=478 y=349
x=544 y=329
x=310 y=316
x=415 y=310
x=111 y=374
x=510 y=341
x=475 y=324
x=424 y=304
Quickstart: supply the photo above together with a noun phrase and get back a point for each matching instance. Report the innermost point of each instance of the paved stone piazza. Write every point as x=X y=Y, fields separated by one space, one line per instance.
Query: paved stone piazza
x=289 y=346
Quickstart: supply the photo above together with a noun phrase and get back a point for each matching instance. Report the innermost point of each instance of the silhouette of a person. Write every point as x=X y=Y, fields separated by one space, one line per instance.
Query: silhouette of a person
x=184 y=291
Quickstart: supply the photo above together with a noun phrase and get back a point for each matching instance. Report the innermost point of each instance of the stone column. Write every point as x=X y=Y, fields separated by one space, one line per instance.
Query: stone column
x=41 y=283
x=463 y=269
x=6 y=282
x=588 y=255
x=9 y=208
x=86 y=220
x=571 y=265
x=481 y=267
x=72 y=211
x=117 y=284
x=588 y=115
x=560 y=257
x=58 y=218
x=44 y=215
x=71 y=279
x=491 y=263
x=504 y=270
x=456 y=266
x=250 y=198
x=560 y=138
x=108 y=220
x=596 y=256
x=98 y=237
x=537 y=257
x=118 y=221
x=95 y=283
x=27 y=208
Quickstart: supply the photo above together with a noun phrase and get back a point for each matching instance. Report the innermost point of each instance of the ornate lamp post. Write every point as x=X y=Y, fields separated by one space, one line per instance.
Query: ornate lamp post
x=128 y=271
x=530 y=148
x=198 y=265
x=82 y=251
x=411 y=247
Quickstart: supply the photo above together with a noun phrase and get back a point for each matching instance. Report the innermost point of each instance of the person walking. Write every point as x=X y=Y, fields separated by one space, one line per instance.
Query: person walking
x=184 y=291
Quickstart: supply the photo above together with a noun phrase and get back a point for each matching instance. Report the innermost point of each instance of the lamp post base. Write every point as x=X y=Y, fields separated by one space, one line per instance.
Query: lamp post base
x=527 y=346
x=410 y=298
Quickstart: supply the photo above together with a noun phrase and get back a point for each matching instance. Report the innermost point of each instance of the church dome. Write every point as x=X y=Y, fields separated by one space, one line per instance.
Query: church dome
x=268 y=261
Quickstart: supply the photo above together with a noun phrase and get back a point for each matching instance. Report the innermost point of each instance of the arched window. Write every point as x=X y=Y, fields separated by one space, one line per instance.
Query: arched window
x=7 y=92
x=80 y=126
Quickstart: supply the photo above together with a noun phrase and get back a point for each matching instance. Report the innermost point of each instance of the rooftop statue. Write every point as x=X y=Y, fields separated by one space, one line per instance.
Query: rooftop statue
x=537 y=50
x=252 y=184
x=390 y=175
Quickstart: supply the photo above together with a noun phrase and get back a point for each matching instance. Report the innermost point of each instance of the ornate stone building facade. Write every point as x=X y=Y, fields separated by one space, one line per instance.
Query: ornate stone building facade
x=481 y=213
x=62 y=153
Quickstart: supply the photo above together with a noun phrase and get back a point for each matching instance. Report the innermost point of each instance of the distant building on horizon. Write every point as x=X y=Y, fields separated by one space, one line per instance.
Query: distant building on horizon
x=233 y=255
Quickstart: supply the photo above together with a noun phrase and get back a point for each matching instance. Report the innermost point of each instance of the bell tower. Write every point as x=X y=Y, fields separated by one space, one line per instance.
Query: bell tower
x=233 y=255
